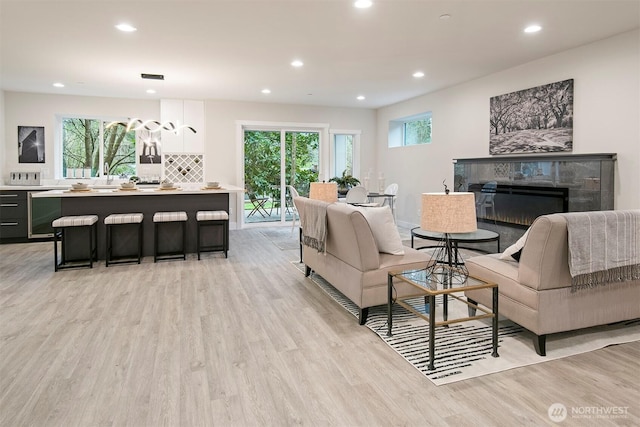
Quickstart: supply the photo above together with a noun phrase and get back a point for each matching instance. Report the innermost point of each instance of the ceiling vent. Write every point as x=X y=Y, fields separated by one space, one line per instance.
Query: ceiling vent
x=152 y=76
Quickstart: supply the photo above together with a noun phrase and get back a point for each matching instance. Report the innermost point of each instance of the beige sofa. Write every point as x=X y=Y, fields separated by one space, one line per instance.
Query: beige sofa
x=536 y=292
x=352 y=262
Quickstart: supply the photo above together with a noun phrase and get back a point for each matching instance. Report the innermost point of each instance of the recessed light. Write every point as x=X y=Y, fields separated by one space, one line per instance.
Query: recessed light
x=532 y=29
x=151 y=91
x=363 y=4
x=266 y=91
x=58 y=85
x=126 y=28
x=418 y=74
x=360 y=98
x=297 y=63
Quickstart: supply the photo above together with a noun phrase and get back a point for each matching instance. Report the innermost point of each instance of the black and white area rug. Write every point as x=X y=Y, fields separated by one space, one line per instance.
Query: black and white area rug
x=463 y=350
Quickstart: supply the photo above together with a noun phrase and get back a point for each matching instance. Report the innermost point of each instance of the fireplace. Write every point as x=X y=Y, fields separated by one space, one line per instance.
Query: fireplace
x=517 y=205
x=512 y=191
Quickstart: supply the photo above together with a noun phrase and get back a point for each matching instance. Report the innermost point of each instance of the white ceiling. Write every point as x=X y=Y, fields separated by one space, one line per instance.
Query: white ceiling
x=232 y=49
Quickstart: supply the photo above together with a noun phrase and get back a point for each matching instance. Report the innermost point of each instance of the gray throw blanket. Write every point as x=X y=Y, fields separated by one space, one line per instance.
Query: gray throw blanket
x=604 y=247
x=313 y=220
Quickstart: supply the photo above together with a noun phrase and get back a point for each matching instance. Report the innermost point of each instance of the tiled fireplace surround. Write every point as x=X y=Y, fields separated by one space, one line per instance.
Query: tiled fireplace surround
x=528 y=186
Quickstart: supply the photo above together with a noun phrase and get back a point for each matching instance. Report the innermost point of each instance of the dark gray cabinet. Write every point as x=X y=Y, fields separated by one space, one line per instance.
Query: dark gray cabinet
x=23 y=218
x=13 y=215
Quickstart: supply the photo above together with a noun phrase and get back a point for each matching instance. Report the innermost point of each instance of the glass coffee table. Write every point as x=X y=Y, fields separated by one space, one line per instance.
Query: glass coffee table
x=429 y=287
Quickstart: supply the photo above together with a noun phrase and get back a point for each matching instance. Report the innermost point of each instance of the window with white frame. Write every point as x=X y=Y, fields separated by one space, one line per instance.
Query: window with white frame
x=413 y=130
x=90 y=144
x=343 y=146
x=345 y=150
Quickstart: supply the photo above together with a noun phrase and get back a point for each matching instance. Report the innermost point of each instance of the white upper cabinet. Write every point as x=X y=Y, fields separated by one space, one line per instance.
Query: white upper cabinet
x=183 y=112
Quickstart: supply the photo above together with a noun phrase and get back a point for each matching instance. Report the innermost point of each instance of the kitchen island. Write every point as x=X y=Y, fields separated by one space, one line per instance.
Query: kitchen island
x=148 y=201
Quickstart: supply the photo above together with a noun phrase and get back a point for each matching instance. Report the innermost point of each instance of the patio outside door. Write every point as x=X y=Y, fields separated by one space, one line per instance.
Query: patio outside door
x=274 y=159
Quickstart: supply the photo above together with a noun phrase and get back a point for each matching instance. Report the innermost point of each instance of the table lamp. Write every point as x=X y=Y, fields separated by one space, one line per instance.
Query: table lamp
x=449 y=213
x=326 y=191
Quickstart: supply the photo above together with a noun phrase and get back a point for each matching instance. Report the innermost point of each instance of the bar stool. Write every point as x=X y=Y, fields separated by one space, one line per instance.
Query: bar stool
x=169 y=217
x=213 y=219
x=119 y=220
x=78 y=222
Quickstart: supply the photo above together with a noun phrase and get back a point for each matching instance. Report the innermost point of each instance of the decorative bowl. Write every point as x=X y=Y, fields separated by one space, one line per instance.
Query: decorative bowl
x=166 y=184
x=128 y=185
x=213 y=184
x=80 y=186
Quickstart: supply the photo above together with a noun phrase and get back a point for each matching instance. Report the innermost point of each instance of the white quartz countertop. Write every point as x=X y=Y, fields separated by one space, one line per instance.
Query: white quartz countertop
x=32 y=187
x=140 y=191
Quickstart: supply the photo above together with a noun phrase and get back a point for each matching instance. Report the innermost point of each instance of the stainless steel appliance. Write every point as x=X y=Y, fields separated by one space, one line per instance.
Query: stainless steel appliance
x=40 y=214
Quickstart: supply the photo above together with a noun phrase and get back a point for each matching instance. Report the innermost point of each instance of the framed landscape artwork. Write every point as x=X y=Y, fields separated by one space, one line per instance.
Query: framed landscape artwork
x=535 y=120
x=30 y=144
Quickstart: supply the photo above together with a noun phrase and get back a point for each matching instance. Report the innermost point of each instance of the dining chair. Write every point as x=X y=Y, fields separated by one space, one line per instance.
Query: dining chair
x=289 y=201
x=391 y=192
x=357 y=194
x=258 y=204
x=293 y=193
x=275 y=199
x=392 y=189
x=486 y=199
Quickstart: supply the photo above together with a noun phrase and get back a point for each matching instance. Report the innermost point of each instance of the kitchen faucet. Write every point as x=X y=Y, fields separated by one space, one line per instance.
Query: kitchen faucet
x=107 y=171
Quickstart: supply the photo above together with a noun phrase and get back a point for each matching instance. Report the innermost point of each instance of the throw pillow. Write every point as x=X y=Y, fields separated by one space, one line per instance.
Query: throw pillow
x=384 y=229
x=514 y=251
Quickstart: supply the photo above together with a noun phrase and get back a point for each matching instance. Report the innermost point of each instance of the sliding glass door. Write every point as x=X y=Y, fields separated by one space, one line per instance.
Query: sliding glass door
x=261 y=174
x=274 y=160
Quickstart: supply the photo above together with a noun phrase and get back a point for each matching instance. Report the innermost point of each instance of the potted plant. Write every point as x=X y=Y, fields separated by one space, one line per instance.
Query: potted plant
x=345 y=182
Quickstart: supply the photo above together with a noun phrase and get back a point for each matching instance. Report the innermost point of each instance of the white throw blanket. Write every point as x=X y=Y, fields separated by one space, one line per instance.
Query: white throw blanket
x=313 y=220
x=604 y=247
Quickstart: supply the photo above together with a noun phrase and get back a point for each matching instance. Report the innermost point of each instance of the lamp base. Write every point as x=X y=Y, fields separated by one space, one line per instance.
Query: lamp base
x=449 y=267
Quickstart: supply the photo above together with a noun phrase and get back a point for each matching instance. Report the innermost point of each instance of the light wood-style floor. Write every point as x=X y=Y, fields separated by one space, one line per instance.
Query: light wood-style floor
x=246 y=341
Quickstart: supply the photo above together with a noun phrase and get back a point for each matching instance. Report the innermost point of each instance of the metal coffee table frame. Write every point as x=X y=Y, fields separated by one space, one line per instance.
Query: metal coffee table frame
x=430 y=290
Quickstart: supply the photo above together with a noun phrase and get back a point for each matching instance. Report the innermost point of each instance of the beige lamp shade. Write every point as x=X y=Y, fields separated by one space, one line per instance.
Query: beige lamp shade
x=448 y=213
x=326 y=191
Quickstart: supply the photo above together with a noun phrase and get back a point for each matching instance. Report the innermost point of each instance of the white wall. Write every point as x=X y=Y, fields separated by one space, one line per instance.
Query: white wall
x=222 y=153
x=606 y=120
x=31 y=109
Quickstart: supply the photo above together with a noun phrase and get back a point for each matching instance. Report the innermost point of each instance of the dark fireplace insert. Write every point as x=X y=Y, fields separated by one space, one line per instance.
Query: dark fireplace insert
x=512 y=191
x=517 y=205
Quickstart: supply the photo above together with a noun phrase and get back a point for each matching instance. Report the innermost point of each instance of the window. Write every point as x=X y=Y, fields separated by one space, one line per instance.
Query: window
x=343 y=146
x=412 y=130
x=345 y=152
x=89 y=144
